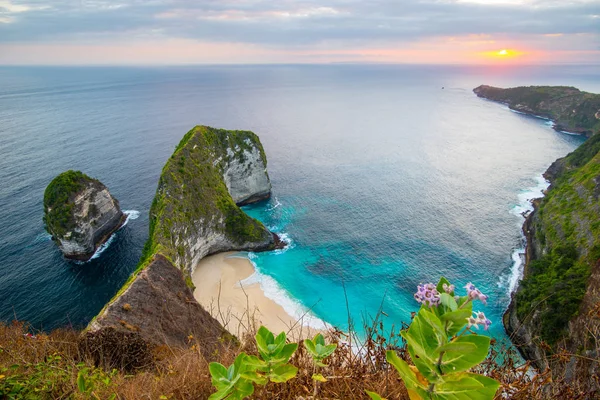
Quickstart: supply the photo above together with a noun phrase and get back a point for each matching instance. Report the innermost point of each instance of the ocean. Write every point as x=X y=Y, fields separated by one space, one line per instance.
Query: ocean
x=384 y=177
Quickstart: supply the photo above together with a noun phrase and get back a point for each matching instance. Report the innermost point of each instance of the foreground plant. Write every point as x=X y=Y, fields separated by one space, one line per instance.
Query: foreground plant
x=443 y=346
x=319 y=351
x=237 y=381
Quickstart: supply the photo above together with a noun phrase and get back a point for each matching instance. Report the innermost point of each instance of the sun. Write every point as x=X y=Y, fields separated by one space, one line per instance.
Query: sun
x=502 y=54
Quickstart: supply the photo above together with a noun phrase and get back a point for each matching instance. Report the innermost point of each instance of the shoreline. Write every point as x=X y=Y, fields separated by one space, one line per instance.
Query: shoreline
x=220 y=289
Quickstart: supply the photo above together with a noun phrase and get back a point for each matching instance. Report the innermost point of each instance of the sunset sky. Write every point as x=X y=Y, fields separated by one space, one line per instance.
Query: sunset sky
x=60 y=32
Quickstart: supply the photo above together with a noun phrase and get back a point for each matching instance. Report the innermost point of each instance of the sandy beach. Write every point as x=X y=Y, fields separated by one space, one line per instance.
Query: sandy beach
x=237 y=306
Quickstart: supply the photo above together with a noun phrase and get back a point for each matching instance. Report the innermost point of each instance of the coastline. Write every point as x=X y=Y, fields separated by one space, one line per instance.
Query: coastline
x=556 y=126
x=220 y=289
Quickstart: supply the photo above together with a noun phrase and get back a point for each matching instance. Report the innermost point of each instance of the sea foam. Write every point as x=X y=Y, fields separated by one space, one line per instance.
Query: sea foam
x=275 y=292
x=521 y=210
x=131 y=215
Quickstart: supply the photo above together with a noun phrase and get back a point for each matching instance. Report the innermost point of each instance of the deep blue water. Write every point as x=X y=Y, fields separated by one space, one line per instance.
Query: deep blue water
x=381 y=178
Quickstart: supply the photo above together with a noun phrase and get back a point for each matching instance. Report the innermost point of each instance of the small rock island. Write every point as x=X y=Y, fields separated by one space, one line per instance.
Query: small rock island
x=80 y=214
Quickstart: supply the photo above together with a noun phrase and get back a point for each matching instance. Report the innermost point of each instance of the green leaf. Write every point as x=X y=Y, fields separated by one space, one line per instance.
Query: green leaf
x=458 y=319
x=408 y=375
x=286 y=353
x=328 y=350
x=458 y=316
x=263 y=338
x=448 y=301
x=374 y=396
x=457 y=360
x=283 y=373
x=462 y=300
x=220 y=394
x=319 y=378
x=440 y=285
x=238 y=365
x=426 y=368
x=463 y=347
x=319 y=339
x=244 y=389
x=81 y=380
x=422 y=337
x=217 y=371
x=254 y=363
x=466 y=386
x=255 y=377
x=436 y=324
x=280 y=339
x=310 y=346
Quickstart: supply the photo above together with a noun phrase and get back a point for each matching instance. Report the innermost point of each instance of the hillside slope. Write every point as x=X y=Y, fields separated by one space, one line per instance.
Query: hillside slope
x=557 y=304
x=571 y=109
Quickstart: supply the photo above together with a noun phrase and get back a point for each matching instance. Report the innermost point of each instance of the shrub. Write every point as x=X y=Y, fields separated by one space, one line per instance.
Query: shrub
x=443 y=347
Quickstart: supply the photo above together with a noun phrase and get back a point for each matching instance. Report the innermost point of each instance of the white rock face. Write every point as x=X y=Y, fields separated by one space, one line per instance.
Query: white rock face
x=245 y=176
x=97 y=215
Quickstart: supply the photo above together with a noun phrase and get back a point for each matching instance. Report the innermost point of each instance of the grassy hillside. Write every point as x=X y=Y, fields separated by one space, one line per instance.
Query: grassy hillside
x=571 y=109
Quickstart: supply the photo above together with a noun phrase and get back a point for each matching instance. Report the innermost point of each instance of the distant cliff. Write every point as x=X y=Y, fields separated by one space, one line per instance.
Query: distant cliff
x=571 y=109
x=557 y=304
x=80 y=214
x=194 y=214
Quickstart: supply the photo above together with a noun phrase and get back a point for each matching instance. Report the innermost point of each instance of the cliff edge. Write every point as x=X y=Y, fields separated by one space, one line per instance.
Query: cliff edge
x=571 y=109
x=80 y=214
x=557 y=305
x=194 y=214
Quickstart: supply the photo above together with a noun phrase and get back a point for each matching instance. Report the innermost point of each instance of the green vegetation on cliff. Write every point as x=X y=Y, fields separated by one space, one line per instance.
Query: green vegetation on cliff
x=571 y=109
x=566 y=226
x=58 y=201
x=191 y=194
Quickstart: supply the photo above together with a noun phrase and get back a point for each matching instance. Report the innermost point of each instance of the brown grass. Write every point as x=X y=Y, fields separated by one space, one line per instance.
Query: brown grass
x=182 y=373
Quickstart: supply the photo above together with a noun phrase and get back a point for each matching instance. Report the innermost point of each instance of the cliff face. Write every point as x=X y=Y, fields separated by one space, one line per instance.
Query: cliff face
x=244 y=172
x=557 y=305
x=194 y=214
x=80 y=214
x=571 y=109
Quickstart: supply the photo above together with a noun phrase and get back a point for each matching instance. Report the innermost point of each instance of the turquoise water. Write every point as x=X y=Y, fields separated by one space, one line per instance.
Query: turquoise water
x=381 y=178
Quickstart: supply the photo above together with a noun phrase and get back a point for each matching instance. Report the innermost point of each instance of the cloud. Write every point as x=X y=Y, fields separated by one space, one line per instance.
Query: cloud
x=302 y=24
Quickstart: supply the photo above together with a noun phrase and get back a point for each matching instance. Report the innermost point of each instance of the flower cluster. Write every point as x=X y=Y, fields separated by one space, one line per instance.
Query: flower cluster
x=480 y=319
x=427 y=294
x=475 y=294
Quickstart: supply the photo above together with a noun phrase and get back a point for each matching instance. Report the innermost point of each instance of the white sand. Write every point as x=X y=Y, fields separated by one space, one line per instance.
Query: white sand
x=218 y=289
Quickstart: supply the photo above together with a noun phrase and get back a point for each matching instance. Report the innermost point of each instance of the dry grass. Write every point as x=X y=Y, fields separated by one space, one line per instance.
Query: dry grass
x=182 y=373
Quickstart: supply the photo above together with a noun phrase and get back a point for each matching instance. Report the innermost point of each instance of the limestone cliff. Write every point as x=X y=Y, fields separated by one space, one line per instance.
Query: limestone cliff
x=557 y=305
x=571 y=109
x=80 y=214
x=194 y=214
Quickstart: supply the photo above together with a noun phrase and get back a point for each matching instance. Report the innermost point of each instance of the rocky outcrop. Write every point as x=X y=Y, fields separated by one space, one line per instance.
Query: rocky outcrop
x=557 y=305
x=194 y=214
x=245 y=173
x=80 y=214
x=160 y=307
x=571 y=109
